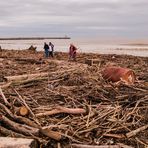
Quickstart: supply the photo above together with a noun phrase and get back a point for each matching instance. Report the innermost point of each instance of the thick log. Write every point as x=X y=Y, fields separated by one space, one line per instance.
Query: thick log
x=6 y=132
x=7 y=142
x=19 y=128
x=60 y=109
x=25 y=76
x=23 y=111
x=18 y=118
x=51 y=134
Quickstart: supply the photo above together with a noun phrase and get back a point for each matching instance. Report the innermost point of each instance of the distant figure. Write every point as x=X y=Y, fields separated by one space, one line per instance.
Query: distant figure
x=32 y=48
x=51 y=49
x=46 y=49
x=72 y=52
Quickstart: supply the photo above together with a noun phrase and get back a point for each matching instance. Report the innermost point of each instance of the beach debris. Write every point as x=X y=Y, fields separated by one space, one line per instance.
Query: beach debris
x=32 y=48
x=6 y=142
x=119 y=145
x=92 y=62
x=61 y=109
x=107 y=116
x=115 y=74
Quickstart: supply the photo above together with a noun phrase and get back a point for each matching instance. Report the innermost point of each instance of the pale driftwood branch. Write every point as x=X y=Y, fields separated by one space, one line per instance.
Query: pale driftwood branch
x=118 y=136
x=119 y=145
x=94 y=146
x=25 y=76
x=60 y=109
x=4 y=98
x=6 y=142
x=135 y=132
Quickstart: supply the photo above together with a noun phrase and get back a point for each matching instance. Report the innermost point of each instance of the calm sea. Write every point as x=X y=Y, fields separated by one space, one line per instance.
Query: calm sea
x=84 y=45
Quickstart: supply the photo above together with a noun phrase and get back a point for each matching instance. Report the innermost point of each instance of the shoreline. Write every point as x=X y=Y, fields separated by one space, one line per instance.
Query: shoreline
x=34 y=38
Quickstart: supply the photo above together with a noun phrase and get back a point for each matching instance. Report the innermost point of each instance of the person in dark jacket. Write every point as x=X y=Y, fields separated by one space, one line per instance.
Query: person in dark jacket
x=46 y=49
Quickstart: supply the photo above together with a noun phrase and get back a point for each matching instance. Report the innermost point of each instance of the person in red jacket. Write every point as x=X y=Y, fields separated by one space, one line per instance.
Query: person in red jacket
x=72 y=52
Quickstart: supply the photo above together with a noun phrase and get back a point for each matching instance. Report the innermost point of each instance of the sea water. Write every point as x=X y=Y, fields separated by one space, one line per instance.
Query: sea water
x=83 y=45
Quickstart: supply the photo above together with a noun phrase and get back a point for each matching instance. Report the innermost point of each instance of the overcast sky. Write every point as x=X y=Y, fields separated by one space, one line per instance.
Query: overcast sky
x=74 y=18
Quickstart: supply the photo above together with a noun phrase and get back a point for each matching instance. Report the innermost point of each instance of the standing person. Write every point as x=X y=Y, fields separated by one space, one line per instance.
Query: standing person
x=46 y=49
x=51 y=49
x=72 y=52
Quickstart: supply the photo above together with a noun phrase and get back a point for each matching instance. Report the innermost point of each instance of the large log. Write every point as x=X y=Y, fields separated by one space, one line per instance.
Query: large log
x=19 y=128
x=18 y=118
x=7 y=142
x=25 y=76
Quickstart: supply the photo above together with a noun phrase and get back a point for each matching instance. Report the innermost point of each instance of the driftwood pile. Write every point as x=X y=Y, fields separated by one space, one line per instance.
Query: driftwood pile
x=68 y=104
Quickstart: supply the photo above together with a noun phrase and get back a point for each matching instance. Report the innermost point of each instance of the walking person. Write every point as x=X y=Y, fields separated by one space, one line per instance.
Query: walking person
x=51 y=49
x=72 y=52
x=46 y=50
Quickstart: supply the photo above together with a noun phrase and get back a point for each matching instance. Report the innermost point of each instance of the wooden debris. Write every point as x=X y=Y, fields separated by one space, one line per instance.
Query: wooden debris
x=6 y=142
x=61 y=109
x=23 y=111
x=51 y=134
x=25 y=76
x=107 y=115
x=135 y=132
x=100 y=146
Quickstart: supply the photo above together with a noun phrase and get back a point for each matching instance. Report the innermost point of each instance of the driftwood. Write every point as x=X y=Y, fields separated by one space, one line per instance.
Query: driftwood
x=4 y=98
x=135 y=132
x=60 y=109
x=7 y=142
x=111 y=114
x=120 y=145
x=51 y=134
x=6 y=132
x=17 y=118
x=23 y=129
x=25 y=76
x=29 y=60
x=22 y=111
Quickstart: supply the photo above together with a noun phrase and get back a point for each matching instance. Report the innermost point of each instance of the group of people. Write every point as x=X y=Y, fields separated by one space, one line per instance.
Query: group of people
x=49 y=49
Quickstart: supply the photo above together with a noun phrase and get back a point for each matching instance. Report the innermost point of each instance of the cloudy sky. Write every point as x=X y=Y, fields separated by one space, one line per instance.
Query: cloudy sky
x=74 y=18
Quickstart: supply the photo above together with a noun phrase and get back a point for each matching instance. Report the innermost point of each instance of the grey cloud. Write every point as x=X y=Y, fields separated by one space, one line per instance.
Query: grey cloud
x=74 y=17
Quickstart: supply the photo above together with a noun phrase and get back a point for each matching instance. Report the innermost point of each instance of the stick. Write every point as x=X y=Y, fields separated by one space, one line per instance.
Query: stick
x=4 y=98
x=118 y=136
x=135 y=132
x=62 y=110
